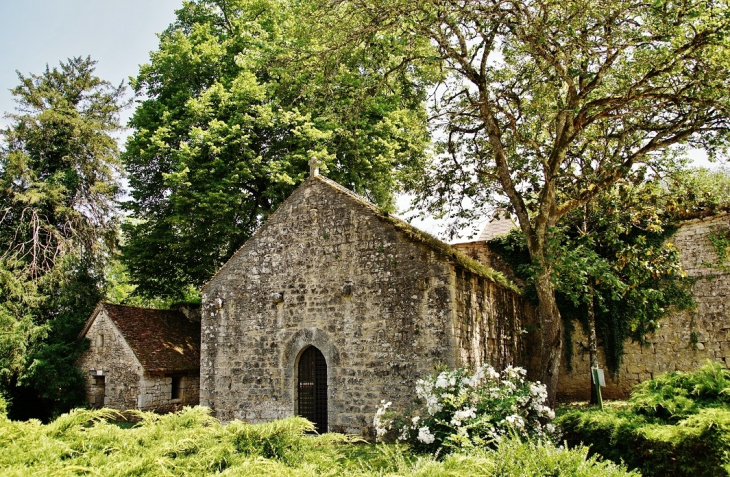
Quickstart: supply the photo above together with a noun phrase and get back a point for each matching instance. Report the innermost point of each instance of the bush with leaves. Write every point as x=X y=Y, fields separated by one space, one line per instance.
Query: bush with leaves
x=460 y=409
x=191 y=442
x=675 y=424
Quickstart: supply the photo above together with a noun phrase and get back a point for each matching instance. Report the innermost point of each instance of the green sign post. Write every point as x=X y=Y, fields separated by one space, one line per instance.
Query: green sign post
x=598 y=381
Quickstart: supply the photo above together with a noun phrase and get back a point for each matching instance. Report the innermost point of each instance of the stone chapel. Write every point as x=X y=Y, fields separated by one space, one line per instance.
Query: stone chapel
x=334 y=305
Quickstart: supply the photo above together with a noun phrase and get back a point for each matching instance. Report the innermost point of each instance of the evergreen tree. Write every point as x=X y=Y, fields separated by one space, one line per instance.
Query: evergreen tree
x=59 y=173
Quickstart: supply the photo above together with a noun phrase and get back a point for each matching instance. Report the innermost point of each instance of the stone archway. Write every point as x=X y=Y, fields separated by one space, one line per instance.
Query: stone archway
x=312 y=387
x=293 y=350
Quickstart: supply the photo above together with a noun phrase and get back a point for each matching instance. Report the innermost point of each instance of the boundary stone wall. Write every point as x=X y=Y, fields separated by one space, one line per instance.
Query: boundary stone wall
x=684 y=340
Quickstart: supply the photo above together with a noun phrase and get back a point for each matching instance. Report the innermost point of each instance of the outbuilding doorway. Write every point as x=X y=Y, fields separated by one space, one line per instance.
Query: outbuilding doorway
x=312 y=388
x=98 y=392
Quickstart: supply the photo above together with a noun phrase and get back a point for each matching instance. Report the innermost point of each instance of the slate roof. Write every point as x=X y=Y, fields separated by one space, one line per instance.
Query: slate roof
x=162 y=340
x=500 y=224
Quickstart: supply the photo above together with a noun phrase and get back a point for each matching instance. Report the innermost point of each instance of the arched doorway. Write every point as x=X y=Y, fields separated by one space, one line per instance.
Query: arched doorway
x=312 y=387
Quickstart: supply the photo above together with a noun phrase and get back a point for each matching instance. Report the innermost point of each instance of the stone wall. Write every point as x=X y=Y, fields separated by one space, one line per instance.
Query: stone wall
x=481 y=252
x=328 y=271
x=490 y=323
x=156 y=392
x=672 y=347
x=111 y=369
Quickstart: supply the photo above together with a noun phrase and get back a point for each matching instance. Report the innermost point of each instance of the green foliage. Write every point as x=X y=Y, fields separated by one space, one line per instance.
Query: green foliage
x=618 y=254
x=698 y=191
x=720 y=240
x=59 y=167
x=237 y=101
x=460 y=410
x=675 y=424
x=190 y=442
x=121 y=290
x=677 y=395
x=3 y=407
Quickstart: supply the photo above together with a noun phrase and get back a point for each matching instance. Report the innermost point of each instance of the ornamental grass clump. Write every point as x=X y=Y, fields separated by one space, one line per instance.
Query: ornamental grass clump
x=461 y=409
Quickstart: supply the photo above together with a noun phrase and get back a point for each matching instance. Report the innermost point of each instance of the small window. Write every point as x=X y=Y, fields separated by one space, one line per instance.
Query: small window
x=100 y=341
x=176 y=390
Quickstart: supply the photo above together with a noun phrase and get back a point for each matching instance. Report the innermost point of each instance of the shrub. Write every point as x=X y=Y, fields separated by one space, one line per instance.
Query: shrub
x=191 y=442
x=676 y=424
x=458 y=410
x=675 y=395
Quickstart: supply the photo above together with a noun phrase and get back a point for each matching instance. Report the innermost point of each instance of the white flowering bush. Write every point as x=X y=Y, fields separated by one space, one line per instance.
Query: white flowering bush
x=462 y=409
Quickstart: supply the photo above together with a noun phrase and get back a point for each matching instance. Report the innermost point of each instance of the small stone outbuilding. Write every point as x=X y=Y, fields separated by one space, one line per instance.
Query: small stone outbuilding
x=334 y=305
x=142 y=358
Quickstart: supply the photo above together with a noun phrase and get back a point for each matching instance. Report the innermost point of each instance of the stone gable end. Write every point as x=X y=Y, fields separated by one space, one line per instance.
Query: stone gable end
x=113 y=370
x=328 y=270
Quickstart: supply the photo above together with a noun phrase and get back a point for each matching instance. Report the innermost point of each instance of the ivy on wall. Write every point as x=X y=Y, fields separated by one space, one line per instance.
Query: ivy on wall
x=720 y=240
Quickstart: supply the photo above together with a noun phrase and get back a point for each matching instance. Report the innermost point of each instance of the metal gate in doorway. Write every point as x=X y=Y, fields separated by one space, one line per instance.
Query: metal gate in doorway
x=313 y=387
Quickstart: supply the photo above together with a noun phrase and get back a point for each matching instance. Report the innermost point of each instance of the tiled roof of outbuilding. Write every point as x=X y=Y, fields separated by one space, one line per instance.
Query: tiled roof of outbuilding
x=163 y=340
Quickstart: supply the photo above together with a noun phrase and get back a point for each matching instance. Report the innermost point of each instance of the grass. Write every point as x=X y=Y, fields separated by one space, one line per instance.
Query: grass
x=192 y=443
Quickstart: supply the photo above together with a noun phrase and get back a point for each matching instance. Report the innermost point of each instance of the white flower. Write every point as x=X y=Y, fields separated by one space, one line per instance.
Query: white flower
x=425 y=436
x=492 y=373
x=432 y=405
x=509 y=385
x=461 y=416
x=515 y=421
x=539 y=391
x=423 y=388
x=476 y=379
x=415 y=420
x=515 y=373
x=442 y=381
x=382 y=426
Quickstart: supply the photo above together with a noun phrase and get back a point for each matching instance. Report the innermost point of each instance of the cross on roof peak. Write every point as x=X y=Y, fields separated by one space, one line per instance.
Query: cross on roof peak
x=313 y=167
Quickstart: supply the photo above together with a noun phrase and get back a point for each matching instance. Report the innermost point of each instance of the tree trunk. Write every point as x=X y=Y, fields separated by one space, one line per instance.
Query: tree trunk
x=551 y=330
x=592 y=342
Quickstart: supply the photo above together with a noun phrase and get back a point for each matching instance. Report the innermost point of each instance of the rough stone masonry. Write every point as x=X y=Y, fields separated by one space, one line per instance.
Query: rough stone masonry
x=684 y=340
x=383 y=302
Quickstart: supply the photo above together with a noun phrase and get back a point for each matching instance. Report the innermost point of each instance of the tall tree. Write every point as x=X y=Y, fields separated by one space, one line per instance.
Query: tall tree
x=551 y=102
x=615 y=269
x=234 y=106
x=59 y=173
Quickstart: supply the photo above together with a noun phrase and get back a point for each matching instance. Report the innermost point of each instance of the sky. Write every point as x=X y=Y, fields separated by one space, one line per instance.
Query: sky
x=117 y=34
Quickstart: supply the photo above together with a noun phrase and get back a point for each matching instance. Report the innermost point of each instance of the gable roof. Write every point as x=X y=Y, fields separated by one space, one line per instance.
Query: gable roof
x=412 y=233
x=500 y=224
x=162 y=340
